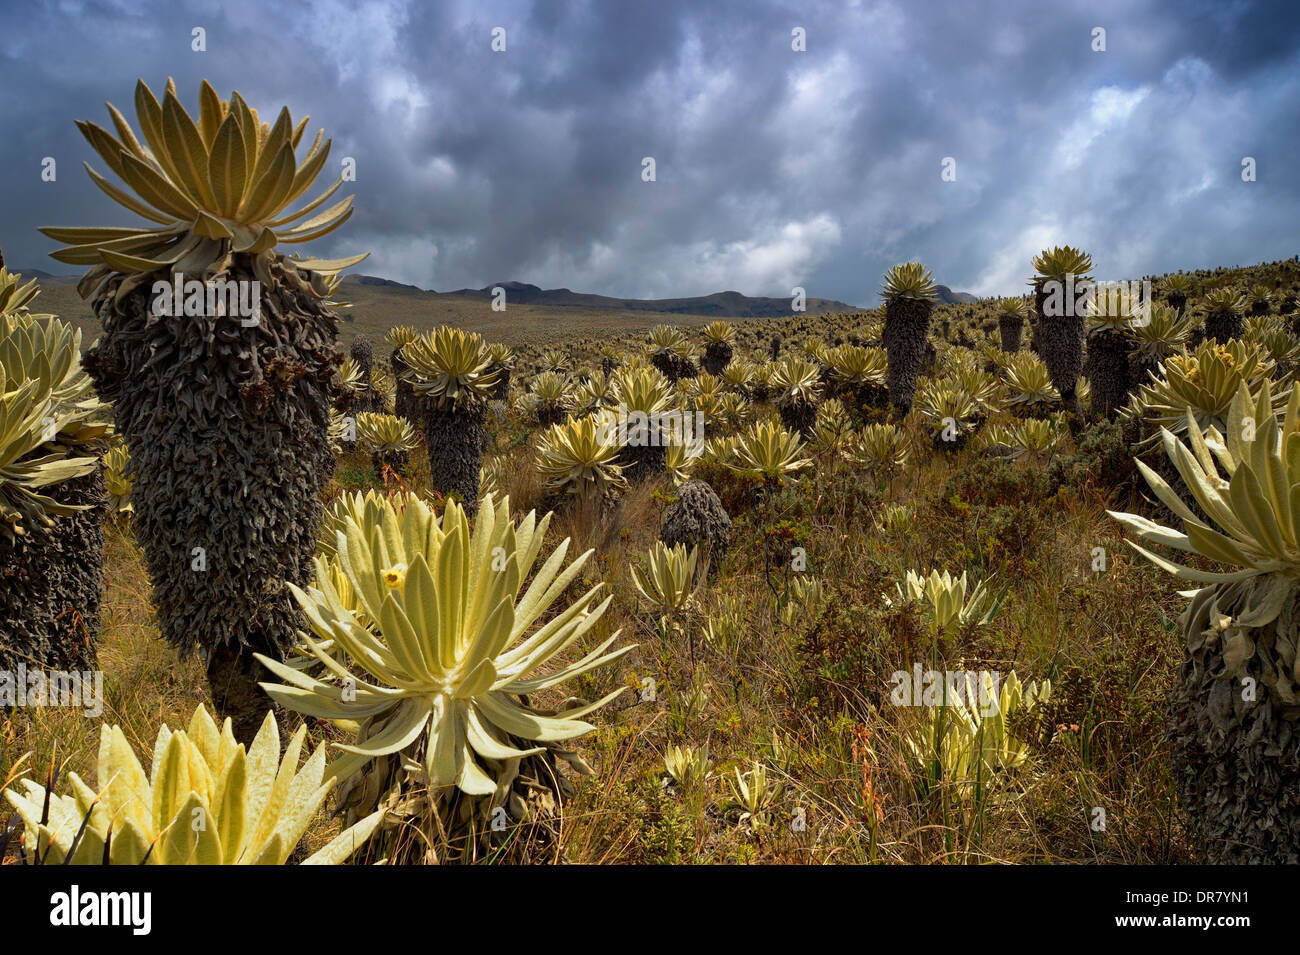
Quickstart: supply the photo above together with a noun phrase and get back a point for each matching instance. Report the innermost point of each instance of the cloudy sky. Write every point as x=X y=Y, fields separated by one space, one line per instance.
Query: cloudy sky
x=774 y=167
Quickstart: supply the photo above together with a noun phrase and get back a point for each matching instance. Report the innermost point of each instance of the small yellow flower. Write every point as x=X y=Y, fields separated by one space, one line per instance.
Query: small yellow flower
x=394 y=576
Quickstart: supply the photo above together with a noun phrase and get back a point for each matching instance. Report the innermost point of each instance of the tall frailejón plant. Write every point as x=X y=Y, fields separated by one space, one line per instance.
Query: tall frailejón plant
x=404 y=403
x=908 y=291
x=1111 y=342
x=1061 y=312
x=645 y=396
x=719 y=343
x=1011 y=322
x=52 y=499
x=451 y=374
x=367 y=398
x=1165 y=332
x=224 y=399
x=1235 y=704
x=797 y=387
x=579 y=459
x=450 y=637
x=1224 y=311
x=1177 y=288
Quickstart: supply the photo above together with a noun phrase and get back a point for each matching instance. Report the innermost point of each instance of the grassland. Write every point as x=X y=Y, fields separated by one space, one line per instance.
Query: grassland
x=760 y=671
x=375 y=309
x=815 y=676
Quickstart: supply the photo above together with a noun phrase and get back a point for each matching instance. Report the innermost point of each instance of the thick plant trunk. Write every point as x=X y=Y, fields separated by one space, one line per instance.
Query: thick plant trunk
x=233 y=677
x=397 y=460
x=51 y=584
x=455 y=436
x=1035 y=345
x=368 y=399
x=405 y=404
x=548 y=415
x=1222 y=326
x=227 y=426
x=799 y=417
x=717 y=356
x=1060 y=345
x=642 y=461
x=674 y=367
x=1236 y=759
x=666 y=365
x=868 y=397
x=1011 y=330
x=1142 y=367
x=501 y=390
x=907 y=325
x=1109 y=373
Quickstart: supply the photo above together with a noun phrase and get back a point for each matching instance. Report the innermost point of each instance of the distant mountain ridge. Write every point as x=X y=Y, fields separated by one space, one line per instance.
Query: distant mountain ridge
x=729 y=304
x=45 y=278
x=946 y=296
x=376 y=281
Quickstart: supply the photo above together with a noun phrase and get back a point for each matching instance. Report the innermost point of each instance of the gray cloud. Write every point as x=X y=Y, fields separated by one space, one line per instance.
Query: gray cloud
x=775 y=168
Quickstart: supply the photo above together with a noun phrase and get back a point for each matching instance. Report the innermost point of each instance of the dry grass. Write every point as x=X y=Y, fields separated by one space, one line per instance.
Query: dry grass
x=749 y=664
x=816 y=679
x=375 y=309
x=145 y=685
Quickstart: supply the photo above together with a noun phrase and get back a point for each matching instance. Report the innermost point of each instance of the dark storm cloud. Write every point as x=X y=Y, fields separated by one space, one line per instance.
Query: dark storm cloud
x=775 y=168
